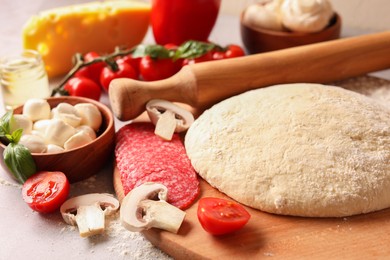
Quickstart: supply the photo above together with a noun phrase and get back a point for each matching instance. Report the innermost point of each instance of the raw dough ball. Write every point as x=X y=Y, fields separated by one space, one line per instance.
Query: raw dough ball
x=298 y=149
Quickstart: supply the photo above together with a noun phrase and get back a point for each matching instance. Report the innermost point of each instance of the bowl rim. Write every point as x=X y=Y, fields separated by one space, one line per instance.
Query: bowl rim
x=99 y=105
x=334 y=22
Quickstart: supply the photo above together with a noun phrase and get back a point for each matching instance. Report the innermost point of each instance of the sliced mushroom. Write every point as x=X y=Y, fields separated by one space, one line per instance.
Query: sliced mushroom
x=168 y=118
x=145 y=207
x=91 y=210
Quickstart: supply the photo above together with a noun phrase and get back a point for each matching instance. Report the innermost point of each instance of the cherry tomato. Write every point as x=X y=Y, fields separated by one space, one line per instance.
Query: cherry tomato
x=92 y=71
x=46 y=191
x=176 y=21
x=218 y=55
x=83 y=87
x=234 y=51
x=133 y=62
x=219 y=216
x=206 y=57
x=156 y=69
x=124 y=71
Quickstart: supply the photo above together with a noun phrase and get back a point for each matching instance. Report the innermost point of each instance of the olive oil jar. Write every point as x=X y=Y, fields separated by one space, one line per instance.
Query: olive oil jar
x=23 y=77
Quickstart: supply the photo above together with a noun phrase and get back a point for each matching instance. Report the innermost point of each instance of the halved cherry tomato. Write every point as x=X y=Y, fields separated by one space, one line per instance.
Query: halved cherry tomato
x=92 y=71
x=156 y=69
x=124 y=71
x=83 y=87
x=234 y=51
x=219 y=216
x=45 y=191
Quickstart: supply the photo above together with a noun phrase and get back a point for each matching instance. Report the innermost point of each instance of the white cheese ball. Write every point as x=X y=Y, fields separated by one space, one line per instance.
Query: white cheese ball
x=88 y=130
x=21 y=121
x=52 y=148
x=34 y=143
x=41 y=125
x=67 y=113
x=57 y=132
x=90 y=115
x=36 y=109
x=77 y=140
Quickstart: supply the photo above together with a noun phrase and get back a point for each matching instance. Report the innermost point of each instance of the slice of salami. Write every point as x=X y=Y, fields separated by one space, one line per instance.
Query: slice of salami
x=141 y=157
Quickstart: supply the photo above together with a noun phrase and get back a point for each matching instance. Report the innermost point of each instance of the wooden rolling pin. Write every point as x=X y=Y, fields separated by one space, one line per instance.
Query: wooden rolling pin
x=202 y=85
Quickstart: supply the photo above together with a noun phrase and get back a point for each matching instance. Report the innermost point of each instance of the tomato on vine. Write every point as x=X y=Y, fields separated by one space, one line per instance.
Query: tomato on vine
x=233 y=51
x=156 y=69
x=132 y=61
x=83 y=87
x=92 y=71
x=123 y=70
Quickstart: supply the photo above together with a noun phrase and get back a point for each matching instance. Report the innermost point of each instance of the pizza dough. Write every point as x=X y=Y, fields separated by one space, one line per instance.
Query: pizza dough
x=298 y=149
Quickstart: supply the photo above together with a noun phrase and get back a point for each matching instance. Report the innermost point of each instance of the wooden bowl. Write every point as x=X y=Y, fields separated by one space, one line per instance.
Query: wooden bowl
x=82 y=162
x=263 y=40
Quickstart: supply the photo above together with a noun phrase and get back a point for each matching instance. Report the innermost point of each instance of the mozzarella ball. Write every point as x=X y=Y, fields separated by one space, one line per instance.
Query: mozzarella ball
x=90 y=115
x=36 y=109
x=34 y=143
x=52 y=148
x=67 y=113
x=21 y=121
x=41 y=125
x=57 y=132
x=77 y=140
x=88 y=130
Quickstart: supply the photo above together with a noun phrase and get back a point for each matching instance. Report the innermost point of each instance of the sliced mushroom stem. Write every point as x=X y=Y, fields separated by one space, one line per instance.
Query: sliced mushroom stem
x=90 y=220
x=163 y=215
x=166 y=125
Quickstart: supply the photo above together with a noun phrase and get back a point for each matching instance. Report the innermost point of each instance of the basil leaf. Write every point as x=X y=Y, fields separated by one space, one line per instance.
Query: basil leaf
x=194 y=49
x=154 y=51
x=19 y=161
x=5 y=123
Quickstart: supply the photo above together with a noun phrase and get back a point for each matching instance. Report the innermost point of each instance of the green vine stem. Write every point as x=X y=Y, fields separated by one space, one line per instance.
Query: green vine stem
x=79 y=63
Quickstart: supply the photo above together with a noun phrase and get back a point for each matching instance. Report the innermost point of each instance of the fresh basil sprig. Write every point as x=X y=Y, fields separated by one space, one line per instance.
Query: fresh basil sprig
x=154 y=51
x=16 y=156
x=195 y=49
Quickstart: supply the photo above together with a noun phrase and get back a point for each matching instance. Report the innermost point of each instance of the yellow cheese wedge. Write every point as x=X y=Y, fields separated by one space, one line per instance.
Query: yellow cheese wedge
x=97 y=26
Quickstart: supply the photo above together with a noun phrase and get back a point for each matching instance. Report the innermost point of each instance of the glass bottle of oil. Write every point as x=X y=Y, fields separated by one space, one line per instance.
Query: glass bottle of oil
x=23 y=77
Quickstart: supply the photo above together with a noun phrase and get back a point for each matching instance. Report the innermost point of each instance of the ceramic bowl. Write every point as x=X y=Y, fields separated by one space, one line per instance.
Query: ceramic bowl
x=262 y=40
x=82 y=162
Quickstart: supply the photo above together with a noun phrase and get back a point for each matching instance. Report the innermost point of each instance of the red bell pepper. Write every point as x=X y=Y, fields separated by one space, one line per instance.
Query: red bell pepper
x=176 y=21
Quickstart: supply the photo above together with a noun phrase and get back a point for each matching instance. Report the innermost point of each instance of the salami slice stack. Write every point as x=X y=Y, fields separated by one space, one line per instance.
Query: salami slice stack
x=141 y=157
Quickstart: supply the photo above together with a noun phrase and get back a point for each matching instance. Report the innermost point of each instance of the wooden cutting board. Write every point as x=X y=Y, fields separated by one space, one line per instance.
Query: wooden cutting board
x=282 y=237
